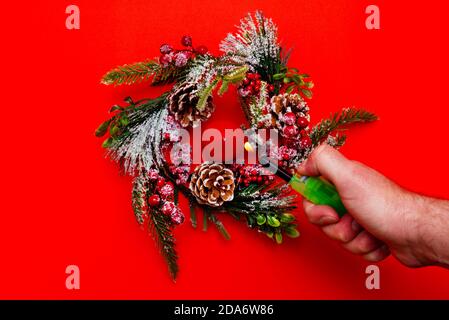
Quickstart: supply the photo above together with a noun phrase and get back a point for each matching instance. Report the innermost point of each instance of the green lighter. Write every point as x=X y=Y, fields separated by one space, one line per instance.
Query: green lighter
x=318 y=191
x=315 y=189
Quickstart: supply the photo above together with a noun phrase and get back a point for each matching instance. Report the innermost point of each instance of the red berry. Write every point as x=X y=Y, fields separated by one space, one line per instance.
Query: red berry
x=289 y=118
x=245 y=81
x=177 y=216
x=285 y=156
x=258 y=82
x=257 y=88
x=289 y=131
x=165 y=59
x=186 y=41
x=251 y=76
x=165 y=48
x=254 y=172
x=160 y=182
x=168 y=208
x=201 y=50
x=264 y=111
x=259 y=179
x=270 y=87
x=166 y=136
x=305 y=142
x=302 y=122
x=179 y=170
x=257 y=76
x=253 y=179
x=167 y=191
x=154 y=200
x=303 y=133
x=153 y=175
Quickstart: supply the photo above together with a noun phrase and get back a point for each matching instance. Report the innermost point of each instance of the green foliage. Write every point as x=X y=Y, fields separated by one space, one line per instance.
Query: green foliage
x=159 y=225
x=266 y=209
x=208 y=215
x=338 y=121
x=142 y=71
x=295 y=82
x=236 y=75
x=140 y=197
x=256 y=105
x=168 y=75
x=124 y=118
x=232 y=77
x=103 y=128
x=193 y=217
x=132 y=73
x=221 y=228
x=160 y=229
x=223 y=88
x=205 y=93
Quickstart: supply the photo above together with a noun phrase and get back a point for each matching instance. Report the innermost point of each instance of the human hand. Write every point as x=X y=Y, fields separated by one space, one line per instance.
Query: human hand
x=382 y=217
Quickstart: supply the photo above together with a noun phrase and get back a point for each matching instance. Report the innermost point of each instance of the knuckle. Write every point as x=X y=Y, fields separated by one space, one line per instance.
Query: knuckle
x=344 y=236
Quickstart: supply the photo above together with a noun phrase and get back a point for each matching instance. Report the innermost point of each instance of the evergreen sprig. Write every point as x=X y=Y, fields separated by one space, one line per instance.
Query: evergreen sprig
x=159 y=225
x=132 y=73
x=220 y=226
x=339 y=120
x=139 y=198
x=169 y=74
x=135 y=133
x=142 y=71
x=127 y=117
x=160 y=229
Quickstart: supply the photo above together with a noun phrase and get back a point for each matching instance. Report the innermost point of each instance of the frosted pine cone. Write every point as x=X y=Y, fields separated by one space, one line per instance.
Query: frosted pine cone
x=182 y=104
x=290 y=114
x=212 y=184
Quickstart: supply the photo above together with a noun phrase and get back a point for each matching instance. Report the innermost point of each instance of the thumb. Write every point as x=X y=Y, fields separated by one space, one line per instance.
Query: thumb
x=328 y=162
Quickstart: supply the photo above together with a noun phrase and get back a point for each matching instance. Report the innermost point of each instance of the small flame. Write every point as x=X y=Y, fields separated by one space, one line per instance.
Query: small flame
x=249 y=147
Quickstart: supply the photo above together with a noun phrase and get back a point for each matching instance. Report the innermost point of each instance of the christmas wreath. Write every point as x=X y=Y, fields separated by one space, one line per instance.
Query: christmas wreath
x=273 y=95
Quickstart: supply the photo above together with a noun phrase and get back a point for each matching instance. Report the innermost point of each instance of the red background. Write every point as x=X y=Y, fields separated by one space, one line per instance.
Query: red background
x=62 y=203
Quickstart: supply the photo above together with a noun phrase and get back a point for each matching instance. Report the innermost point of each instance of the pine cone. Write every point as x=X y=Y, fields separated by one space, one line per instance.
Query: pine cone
x=182 y=104
x=283 y=103
x=212 y=184
x=289 y=114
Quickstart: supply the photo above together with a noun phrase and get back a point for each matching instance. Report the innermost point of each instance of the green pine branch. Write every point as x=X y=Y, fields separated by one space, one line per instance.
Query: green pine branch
x=160 y=229
x=193 y=217
x=220 y=226
x=168 y=75
x=125 y=118
x=339 y=120
x=159 y=225
x=132 y=73
x=139 y=198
